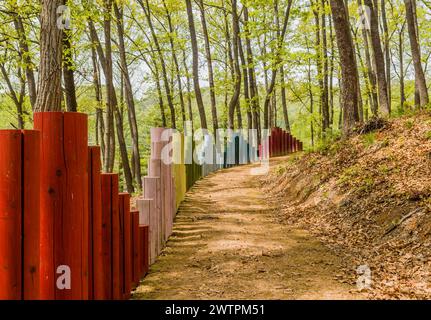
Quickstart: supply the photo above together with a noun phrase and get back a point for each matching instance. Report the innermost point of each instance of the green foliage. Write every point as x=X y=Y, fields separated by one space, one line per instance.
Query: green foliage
x=369 y=139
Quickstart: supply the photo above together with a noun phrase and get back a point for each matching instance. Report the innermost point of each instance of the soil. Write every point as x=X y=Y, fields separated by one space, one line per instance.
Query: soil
x=229 y=243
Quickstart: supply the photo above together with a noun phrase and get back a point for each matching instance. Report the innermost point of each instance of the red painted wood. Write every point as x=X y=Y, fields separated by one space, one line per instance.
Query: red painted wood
x=135 y=248
x=116 y=243
x=63 y=202
x=10 y=214
x=31 y=223
x=96 y=266
x=144 y=254
x=125 y=245
x=106 y=182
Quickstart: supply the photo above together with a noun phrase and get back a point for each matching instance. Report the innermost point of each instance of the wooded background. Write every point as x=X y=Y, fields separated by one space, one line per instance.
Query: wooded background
x=313 y=67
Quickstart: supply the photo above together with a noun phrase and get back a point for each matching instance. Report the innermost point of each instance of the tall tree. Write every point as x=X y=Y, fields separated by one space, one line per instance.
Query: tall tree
x=131 y=112
x=147 y=11
x=195 y=51
x=280 y=42
x=234 y=101
x=379 y=60
x=349 y=73
x=420 y=80
x=210 y=66
x=49 y=79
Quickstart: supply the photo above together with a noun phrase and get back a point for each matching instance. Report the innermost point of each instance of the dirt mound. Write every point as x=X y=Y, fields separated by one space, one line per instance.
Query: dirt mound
x=371 y=196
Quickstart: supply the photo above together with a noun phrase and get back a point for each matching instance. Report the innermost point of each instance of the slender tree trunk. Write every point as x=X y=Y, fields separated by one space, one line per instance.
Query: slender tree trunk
x=176 y=64
x=280 y=42
x=245 y=84
x=129 y=98
x=100 y=125
x=416 y=54
x=18 y=100
x=379 y=60
x=49 y=79
x=26 y=59
x=111 y=97
x=370 y=71
x=254 y=92
x=349 y=73
x=401 y=58
x=194 y=42
x=284 y=99
x=325 y=71
x=147 y=12
x=210 y=66
x=387 y=49
x=189 y=88
x=234 y=102
x=68 y=76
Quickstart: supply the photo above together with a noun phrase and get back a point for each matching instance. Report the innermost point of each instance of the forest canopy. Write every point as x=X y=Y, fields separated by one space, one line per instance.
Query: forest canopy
x=317 y=68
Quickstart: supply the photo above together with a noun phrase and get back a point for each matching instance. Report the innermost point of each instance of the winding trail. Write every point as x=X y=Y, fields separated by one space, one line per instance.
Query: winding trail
x=227 y=244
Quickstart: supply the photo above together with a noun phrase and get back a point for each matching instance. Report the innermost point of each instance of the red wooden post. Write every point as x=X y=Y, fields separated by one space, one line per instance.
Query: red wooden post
x=63 y=204
x=111 y=236
x=19 y=214
x=290 y=143
x=96 y=266
x=144 y=233
x=116 y=243
x=135 y=248
x=126 y=245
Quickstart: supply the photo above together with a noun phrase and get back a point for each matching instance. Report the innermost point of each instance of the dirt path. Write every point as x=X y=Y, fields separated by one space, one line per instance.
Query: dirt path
x=228 y=245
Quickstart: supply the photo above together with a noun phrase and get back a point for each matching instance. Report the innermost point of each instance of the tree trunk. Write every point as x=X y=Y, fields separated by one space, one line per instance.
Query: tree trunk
x=387 y=49
x=68 y=77
x=169 y=95
x=416 y=54
x=401 y=57
x=198 y=93
x=280 y=42
x=26 y=59
x=254 y=92
x=379 y=60
x=234 y=101
x=189 y=88
x=176 y=64
x=349 y=73
x=210 y=67
x=49 y=79
x=129 y=98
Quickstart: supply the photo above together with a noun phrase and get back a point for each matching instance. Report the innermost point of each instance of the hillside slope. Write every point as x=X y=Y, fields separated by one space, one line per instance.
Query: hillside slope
x=368 y=198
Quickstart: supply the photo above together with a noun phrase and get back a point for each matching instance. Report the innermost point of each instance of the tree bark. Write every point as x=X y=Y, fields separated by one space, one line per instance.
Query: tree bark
x=147 y=12
x=379 y=60
x=234 y=101
x=416 y=54
x=49 y=79
x=210 y=66
x=195 y=51
x=68 y=76
x=280 y=43
x=176 y=64
x=26 y=58
x=129 y=98
x=349 y=73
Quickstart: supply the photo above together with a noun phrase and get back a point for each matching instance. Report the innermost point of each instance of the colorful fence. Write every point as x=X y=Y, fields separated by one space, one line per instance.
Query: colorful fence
x=65 y=230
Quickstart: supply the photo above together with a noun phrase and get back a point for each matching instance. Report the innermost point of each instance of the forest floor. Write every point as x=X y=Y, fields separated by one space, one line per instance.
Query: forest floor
x=303 y=230
x=228 y=243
